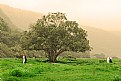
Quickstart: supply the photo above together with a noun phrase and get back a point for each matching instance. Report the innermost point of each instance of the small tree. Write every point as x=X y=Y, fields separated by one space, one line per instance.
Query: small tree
x=55 y=34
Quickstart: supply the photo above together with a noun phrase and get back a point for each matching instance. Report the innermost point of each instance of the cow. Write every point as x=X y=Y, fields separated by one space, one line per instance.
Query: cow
x=109 y=59
x=24 y=59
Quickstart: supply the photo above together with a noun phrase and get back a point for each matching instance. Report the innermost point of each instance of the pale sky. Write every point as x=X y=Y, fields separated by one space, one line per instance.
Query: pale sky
x=105 y=14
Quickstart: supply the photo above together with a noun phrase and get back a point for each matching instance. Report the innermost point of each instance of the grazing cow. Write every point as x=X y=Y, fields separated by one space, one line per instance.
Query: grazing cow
x=109 y=59
x=24 y=59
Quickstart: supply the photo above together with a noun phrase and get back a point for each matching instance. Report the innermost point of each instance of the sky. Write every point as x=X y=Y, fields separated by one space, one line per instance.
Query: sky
x=104 y=14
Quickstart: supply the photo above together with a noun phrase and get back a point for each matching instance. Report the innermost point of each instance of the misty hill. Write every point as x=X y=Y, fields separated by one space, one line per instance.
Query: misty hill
x=118 y=33
x=102 y=41
x=7 y=20
x=21 y=18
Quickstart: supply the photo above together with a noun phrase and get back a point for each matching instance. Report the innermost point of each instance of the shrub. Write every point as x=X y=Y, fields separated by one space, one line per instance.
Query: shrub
x=17 y=73
x=21 y=73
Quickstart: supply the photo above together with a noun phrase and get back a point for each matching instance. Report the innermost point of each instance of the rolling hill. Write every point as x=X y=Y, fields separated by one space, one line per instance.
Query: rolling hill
x=7 y=20
x=118 y=33
x=102 y=41
x=20 y=18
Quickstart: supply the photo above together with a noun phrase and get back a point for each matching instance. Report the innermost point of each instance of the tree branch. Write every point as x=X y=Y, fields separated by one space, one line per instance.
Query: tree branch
x=59 y=52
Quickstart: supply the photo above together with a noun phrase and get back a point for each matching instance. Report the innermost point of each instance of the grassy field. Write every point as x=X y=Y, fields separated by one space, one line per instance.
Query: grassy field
x=65 y=70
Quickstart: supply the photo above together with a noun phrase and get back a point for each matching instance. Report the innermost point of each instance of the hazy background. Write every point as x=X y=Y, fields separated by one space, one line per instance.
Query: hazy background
x=105 y=14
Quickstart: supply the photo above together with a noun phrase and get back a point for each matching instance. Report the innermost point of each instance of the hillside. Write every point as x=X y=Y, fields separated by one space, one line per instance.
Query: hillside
x=104 y=41
x=21 y=18
x=7 y=20
x=118 y=33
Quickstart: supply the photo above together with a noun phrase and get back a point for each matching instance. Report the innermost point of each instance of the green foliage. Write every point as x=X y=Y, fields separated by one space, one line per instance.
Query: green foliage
x=5 y=51
x=17 y=73
x=9 y=40
x=3 y=25
x=55 y=34
x=21 y=73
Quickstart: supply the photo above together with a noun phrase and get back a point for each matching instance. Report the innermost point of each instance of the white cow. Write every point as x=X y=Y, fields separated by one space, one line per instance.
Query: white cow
x=23 y=59
x=109 y=59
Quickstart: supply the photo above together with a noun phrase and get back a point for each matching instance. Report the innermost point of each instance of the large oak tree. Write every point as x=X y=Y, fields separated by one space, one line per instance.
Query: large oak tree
x=55 y=34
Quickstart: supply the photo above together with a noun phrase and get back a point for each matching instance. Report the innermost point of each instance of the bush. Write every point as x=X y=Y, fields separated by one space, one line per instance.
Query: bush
x=70 y=58
x=17 y=73
x=21 y=73
x=5 y=51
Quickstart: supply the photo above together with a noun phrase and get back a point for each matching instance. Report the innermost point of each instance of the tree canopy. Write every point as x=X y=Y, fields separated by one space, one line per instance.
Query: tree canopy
x=54 y=34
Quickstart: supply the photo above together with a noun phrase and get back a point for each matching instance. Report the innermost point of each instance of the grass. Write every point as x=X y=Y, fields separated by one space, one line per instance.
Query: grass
x=64 y=70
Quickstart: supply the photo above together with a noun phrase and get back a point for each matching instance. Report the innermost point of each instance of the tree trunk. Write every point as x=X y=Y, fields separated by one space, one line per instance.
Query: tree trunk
x=52 y=57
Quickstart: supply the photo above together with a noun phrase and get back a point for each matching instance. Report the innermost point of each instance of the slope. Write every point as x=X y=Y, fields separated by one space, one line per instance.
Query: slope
x=7 y=20
x=104 y=41
x=21 y=18
x=118 y=33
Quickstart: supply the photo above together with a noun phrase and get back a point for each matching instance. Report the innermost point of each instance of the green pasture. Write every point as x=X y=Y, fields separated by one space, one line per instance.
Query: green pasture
x=65 y=70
